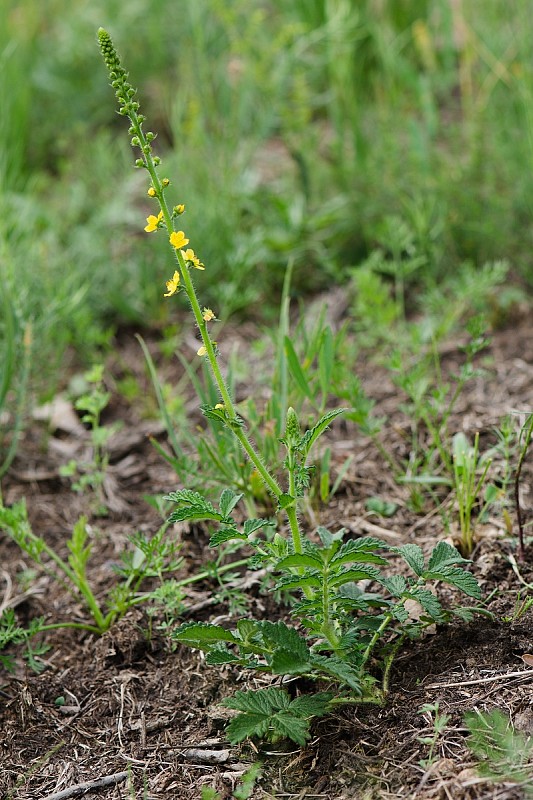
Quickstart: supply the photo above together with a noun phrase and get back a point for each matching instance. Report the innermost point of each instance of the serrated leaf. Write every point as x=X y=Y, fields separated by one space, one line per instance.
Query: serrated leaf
x=338 y=669
x=413 y=555
x=202 y=634
x=445 y=555
x=246 y=725
x=429 y=603
x=396 y=585
x=287 y=662
x=360 y=550
x=293 y=727
x=260 y=701
x=310 y=436
x=192 y=505
x=299 y=560
x=210 y=412
x=226 y=535
x=457 y=577
x=228 y=501
x=219 y=655
x=252 y=525
x=280 y=635
x=312 y=705
x=399 y=612
x=285 y=500
x=357 y=573
x=287 y=582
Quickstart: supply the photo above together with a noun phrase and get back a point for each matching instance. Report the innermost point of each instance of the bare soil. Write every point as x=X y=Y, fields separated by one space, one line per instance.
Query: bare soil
x=140 y=720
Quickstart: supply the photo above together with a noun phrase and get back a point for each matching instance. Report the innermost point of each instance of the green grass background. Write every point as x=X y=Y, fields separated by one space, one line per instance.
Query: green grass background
x=318 y=131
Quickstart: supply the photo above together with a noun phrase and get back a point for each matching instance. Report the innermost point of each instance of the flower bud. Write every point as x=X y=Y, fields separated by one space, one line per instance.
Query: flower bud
x=165 y=182
x=292 y=427
x=151 y=192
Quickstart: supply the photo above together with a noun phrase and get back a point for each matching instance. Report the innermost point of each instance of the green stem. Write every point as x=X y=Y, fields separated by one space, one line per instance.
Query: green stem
x=375 y=638
x=240 y=435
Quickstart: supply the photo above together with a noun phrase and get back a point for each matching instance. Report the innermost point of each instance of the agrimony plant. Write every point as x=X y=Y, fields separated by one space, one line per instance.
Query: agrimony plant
x=340 y=631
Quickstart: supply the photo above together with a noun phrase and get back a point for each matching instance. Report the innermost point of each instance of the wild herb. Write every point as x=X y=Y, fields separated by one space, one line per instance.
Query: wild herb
x=341 y=632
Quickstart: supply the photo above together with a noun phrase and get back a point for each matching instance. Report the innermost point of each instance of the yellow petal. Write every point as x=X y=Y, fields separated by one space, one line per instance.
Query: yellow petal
x=173 y=285
x=201 y=351
x=178 y=239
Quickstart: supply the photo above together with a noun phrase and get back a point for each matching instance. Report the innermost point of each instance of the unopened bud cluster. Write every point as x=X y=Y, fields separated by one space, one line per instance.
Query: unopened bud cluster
x=125 y=94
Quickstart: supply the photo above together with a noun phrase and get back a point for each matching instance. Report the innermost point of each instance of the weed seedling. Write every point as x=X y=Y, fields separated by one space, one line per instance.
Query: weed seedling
x=504 y=754
x=90 y=475
x=439 y=722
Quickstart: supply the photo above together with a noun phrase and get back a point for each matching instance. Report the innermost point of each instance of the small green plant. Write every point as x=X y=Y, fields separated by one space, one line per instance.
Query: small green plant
x=342 y=634
x=148 y=557
x=11 y=633
x=469 y=472
x=504 y=754
x=521 y=607
x=438 y=722
x=90 y=475
x=242 y=791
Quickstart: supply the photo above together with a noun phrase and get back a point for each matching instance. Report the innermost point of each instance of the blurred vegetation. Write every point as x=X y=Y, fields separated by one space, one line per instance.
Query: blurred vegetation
x=322 y=131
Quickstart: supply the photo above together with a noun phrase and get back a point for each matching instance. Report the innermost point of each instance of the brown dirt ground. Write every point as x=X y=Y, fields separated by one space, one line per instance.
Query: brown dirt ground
x=149 y=717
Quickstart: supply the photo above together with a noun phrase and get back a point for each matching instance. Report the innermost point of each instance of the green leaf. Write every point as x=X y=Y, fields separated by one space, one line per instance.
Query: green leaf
x=228 y=501
x=246 y=725
x=429 y=603
x=226 y=535
x=202 y=634
x=270 y=712
x=280 y=635
x=312 y=705
x=445 y=555
x=252 y=525
x=396 y=585
x=260 y=701
x=360 y=550
x=285 y=500
x=299 y=560
x=310 y=436
x=192 y=506
x=292 y=727
x=457 y=577
x=287 y=662
x=288 y=582
x=210 y=412
x=414 y=556
x=219 y=655
x=296 y=369
x=381 y=507
x=358 y=573
x=338 y=669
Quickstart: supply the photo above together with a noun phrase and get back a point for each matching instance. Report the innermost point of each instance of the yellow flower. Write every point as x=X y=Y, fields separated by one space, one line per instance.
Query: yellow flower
x=220 y=406
x=179 y=209
x=178 y=239
x=153 y=222
x=173 y=285
x=192 y=259
x=201 y=351
x=208 y=315
x=151 y=192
